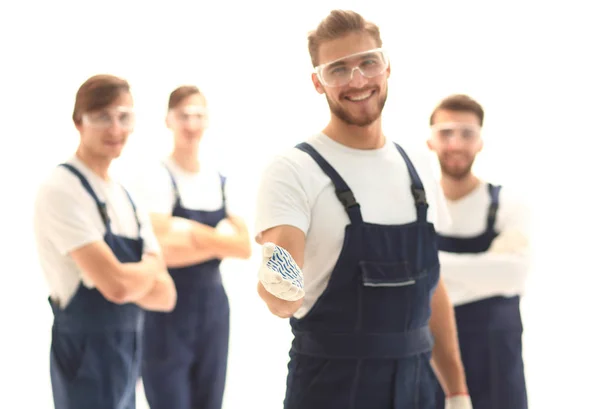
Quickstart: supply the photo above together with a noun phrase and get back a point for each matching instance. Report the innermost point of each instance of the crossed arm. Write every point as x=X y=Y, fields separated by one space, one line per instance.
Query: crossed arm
x=146 y=283
x=186 y=242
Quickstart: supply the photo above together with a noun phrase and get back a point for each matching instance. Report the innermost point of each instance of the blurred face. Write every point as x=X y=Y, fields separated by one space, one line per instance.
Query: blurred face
x=187 y=121
x=456 y=139
x=353 y=75
x=104 y=132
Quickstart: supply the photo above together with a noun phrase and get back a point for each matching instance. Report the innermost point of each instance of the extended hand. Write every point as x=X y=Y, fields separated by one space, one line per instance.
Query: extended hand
x=279 y=273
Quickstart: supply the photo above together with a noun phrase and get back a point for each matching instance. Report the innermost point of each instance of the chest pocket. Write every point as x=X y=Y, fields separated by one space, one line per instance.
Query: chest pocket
x=389 y=274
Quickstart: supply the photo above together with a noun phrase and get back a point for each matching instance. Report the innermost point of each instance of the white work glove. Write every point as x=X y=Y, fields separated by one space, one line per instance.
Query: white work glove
x=459 y=402
x=510 y=241
x=279 y=273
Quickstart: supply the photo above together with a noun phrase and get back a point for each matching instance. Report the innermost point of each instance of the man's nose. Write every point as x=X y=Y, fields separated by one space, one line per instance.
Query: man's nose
x=357 y=79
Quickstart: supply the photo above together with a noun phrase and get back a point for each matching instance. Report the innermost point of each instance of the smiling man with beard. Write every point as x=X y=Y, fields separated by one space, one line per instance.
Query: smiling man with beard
x=346 y=220
x=484 y=259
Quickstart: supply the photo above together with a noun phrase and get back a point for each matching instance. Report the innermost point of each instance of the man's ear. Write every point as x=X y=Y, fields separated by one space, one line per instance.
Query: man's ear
x=430 y=144
x=317 y=84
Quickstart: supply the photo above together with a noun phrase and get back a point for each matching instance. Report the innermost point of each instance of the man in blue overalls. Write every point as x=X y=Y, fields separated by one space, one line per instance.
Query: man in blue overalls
x=100 y=258
x=356 y=213
x=484 y=258
x=185 y=354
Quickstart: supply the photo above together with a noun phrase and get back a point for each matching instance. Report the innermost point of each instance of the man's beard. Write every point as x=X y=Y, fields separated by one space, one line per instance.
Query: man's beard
x=365 y=120
x=456 y=174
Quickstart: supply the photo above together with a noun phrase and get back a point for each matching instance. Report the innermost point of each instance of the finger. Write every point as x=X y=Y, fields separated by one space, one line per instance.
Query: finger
x=270 y=277
x=293 y=294
x=284 y=286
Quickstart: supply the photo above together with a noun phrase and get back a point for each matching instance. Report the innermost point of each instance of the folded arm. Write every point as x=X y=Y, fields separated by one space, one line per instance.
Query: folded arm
x=504 y=268
x=146 y=282
x=185 y=242
x=162 y=295
x=65 y=216
x=490 y=273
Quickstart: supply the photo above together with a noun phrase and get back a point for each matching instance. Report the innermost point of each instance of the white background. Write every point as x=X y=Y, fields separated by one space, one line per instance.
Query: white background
x=532 y=65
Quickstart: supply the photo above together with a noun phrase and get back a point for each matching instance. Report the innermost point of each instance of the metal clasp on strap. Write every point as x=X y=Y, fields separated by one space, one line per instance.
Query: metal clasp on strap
x=419 y=195
x=103 y=213
x=347 y=198
x=492 y=212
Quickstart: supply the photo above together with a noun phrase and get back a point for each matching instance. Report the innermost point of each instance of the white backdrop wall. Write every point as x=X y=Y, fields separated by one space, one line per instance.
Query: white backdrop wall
x=532 y=65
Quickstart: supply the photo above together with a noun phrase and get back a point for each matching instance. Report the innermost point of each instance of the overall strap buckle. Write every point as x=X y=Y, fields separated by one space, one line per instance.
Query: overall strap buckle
x=347 y=198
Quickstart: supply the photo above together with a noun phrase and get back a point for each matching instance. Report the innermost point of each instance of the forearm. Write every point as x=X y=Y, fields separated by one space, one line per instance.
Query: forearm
x=208 y=239
x=446 y=358
x=161 y=297
x=180 y=249
x=136 y=280
x=186 y=242
x=487 y=274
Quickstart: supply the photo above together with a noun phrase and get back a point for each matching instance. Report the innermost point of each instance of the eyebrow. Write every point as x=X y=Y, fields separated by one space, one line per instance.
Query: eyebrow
x=336 y=64
x=368 y=55
x=341 y=61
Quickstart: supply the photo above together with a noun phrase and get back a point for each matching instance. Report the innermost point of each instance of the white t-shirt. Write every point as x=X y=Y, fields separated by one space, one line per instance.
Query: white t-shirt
x=295 y=191
x=66 y=218
x=471 y=277
x=198 y=190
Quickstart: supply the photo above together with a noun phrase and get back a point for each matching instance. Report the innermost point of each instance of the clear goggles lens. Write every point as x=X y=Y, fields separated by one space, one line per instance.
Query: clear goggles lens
x=195 y=115
x=106 y=118
x=337 y=73
x=450 y=130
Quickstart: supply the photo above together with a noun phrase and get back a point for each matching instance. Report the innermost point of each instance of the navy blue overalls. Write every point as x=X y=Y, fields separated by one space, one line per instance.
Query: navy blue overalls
x=185 y=351
x=366 y=342
x=96 y=344
x=489 y=333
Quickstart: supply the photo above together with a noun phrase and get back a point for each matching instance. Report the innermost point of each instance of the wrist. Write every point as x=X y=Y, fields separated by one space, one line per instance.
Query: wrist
x=457 y=382
x=455 y=394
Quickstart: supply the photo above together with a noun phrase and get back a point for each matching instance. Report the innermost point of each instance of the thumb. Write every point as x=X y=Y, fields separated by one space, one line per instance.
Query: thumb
x=268 y=249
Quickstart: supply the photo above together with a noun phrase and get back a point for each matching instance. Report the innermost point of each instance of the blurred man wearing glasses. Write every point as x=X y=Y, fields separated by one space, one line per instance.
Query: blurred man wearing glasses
x=346 y=220
x=484 y=256
x=100 y=257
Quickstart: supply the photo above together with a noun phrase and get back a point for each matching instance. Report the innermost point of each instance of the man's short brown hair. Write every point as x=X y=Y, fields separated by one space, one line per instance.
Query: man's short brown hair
x=180 y=93
x=98 y=92
x=459 y=103
x=337 y=24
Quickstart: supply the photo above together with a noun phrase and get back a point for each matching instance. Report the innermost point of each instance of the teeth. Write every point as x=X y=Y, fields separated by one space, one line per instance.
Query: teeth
x=360 y=97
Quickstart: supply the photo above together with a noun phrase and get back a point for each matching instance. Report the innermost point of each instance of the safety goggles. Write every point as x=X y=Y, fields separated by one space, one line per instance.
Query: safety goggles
x=339 y=72
x=193 y=115
x=450 y=130
x=106 y=118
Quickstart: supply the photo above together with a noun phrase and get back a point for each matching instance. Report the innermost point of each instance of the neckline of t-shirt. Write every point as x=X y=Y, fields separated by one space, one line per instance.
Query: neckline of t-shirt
x=89 y=174
x=173 y=165
x=469 y=196
x=326 y=140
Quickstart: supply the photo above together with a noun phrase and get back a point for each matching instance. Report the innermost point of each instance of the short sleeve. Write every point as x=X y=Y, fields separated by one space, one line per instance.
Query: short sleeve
x=62 y=216
x=281 y=200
